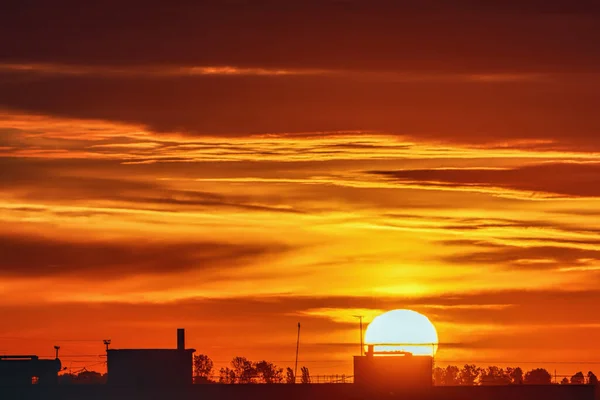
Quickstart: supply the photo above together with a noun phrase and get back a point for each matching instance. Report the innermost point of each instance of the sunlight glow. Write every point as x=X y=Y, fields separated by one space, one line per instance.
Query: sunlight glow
x=403 y=330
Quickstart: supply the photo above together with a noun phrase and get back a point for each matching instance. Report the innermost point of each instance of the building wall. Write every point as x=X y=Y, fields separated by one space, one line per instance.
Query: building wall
x=392 y=372
x=150 y=367
x=20 y=372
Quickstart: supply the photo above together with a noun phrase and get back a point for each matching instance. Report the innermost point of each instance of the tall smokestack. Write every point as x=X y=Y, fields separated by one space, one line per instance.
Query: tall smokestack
x=180 y=339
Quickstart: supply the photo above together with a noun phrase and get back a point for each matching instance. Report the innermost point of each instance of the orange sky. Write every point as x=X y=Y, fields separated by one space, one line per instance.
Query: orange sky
x=237 y=195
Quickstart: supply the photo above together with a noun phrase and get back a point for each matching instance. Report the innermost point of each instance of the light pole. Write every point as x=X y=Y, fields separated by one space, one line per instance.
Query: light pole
x=106 y=343
x=56 y=348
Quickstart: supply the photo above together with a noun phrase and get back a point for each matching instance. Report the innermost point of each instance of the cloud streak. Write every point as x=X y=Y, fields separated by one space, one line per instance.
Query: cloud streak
x=536 y=35
x=31 y=256
x=566 y=179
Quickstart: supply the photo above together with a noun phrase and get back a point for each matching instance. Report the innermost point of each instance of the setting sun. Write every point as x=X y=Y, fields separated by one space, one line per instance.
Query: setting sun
x=402 y=330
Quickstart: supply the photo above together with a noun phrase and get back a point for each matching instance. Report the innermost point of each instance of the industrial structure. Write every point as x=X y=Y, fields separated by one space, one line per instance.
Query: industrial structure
x=393 y=370
x=151 y=367
x=397 y=357
x=26 y=370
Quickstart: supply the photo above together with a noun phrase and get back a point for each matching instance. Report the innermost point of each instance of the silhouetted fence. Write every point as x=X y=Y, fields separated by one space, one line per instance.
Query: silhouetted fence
x=337 y=378
x=331 y=379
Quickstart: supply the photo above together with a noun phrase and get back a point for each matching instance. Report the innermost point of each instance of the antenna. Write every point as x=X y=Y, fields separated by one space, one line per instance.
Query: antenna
x=362 y=346
x=57 y=348
x=297 y=348
x=106 y=343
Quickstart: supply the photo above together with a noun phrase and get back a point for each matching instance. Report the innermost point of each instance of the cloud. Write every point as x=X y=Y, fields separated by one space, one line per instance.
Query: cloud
x=28 y=71
x=565 y=179
x=449 y=306
x=470 y=73
x=525 y=310
x=233 y=106
x=33 y=72
x=523 y=258
x=39 y=180
x=37 y=256
x=531 y=36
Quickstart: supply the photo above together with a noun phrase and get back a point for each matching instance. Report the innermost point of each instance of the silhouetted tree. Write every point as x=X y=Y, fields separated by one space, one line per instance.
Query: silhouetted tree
x=268 y=372
x=438 y=376
x=203 y=367
x=66 y=378
x=564 y=381
x=83 y=378
x=244 y=370
x=516 y=375
x=578 y=379
x=538 y=376
x=90 y=377
x=227 y=375
x=592 y=378
x=305 y=375
x=289 y=376
x=493 y=375
x=469 y=374
x=451 y=375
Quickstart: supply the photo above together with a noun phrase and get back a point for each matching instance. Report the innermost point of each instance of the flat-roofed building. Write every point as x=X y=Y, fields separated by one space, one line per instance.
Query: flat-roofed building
x=151 y=367
x=393 y=371
x=26 y=370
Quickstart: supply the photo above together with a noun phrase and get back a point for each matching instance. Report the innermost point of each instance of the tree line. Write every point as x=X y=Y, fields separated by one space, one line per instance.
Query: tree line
x=84 y=377
x=471 y=374
x=243 y=371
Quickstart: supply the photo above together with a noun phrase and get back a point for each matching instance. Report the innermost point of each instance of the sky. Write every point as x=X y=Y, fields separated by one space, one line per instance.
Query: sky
x=236 y=167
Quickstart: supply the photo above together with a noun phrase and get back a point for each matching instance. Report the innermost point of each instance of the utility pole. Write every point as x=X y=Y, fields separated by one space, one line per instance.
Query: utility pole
x=106 y=343
x=362 y=346
x=56 y=348
x=297 y=348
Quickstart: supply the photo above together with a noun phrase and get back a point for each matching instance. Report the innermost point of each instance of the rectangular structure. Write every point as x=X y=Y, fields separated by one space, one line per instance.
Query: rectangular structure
x=25 y=370
x=393 y=372
x=180 y=339
x=151 y=367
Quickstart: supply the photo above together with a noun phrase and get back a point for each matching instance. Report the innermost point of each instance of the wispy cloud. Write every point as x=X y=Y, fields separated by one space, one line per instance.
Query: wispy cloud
x=566 y=179
x=165 y=71
x=150 y=71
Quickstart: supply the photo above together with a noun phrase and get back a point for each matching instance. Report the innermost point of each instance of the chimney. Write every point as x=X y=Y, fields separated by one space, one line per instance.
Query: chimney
x=180 y=339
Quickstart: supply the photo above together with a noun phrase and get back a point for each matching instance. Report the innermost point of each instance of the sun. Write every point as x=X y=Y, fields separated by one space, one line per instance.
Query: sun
x=402 y=330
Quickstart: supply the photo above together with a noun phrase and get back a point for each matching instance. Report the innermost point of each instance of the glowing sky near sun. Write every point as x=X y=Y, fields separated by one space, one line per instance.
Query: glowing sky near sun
x=237 y=191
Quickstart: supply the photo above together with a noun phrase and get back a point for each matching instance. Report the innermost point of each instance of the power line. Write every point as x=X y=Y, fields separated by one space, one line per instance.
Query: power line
x=74 y=355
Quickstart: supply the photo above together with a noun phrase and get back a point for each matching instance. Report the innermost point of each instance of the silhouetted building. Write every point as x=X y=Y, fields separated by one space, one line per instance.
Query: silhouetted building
x=151 y=367
x=393 y=371
x=27 y=370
